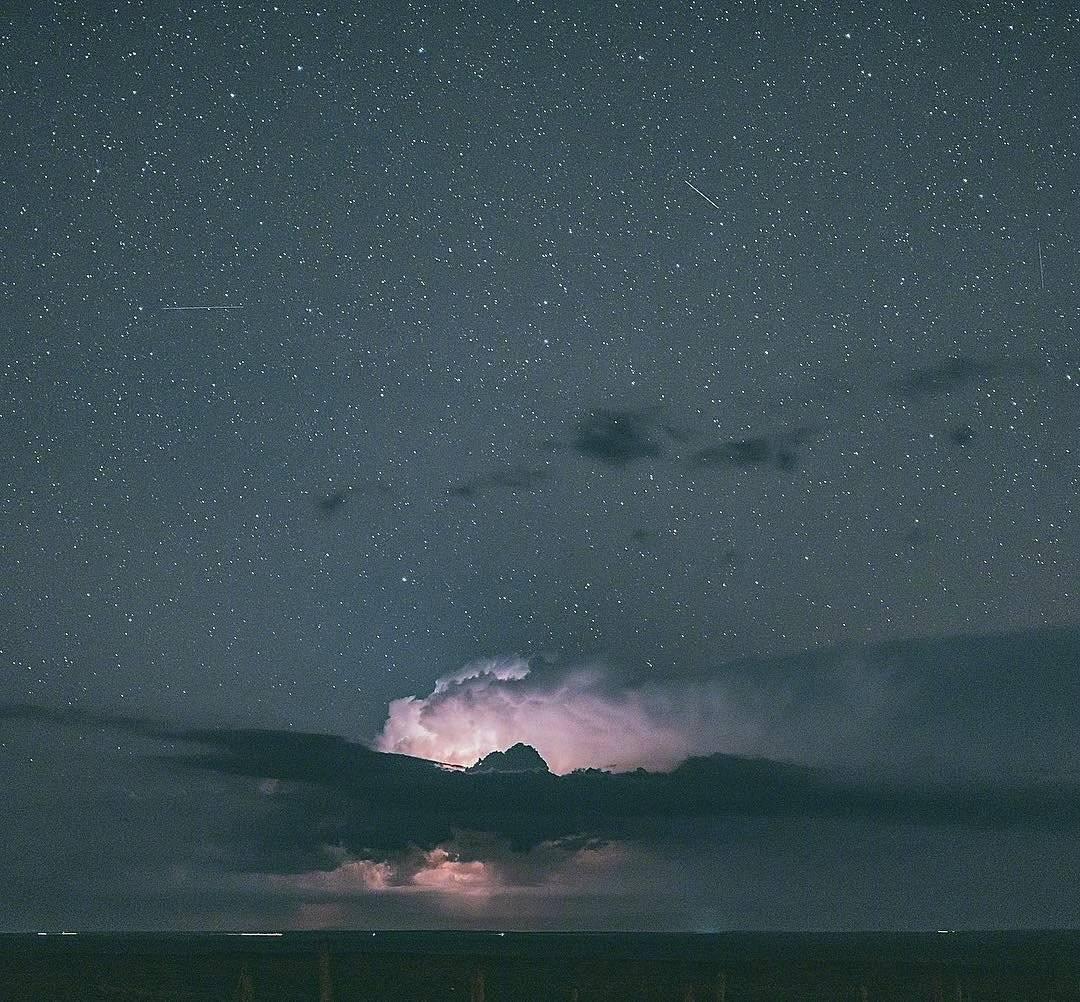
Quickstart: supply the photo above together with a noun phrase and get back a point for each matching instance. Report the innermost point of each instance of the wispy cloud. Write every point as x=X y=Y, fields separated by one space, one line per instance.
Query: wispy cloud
x=779 y=450
x=617 y=436
x=515 y=479
x=947 y=376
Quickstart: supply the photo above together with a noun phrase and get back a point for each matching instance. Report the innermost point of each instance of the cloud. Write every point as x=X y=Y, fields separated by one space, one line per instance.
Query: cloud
x=944 y=377
x=779 y=450
x=335 y=802
x=873 y=731
x=617 y=437
x=372 y=805
x=84 y=719
x=962 y=434
x=332 y=502
x=516 y=479
x=621 y=436
x=469 y=865
x=959 y=707
x=952 y=760
x=329 y=503
x=971 y=735
x=582 y=717
x=573 y=718
x=992 y=708
x=108 y=840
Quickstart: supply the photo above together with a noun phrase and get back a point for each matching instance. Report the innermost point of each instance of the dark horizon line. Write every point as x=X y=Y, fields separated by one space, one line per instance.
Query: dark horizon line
x=452 y=931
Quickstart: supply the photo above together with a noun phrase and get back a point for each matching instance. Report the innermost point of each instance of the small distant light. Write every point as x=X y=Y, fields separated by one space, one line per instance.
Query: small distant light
x=43 y=934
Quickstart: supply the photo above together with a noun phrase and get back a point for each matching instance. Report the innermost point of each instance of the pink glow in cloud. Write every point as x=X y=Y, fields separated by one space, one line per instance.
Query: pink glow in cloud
x=442 y=872
x=582 y=717
x=573 y=723
x=470 y=867
x=439 y=871
x=351 y=875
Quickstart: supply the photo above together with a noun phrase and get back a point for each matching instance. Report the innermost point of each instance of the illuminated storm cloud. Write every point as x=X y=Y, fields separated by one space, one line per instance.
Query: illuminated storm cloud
x=575 y=721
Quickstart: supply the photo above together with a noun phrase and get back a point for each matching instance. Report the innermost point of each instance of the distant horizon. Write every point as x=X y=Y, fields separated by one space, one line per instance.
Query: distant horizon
x=267 y=933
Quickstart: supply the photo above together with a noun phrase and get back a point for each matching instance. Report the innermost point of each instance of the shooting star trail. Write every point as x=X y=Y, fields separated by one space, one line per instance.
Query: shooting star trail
x=202 y=307
x=703 y=195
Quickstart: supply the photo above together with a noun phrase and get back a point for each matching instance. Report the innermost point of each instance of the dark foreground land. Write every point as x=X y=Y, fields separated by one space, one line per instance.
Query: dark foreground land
x=516 y=967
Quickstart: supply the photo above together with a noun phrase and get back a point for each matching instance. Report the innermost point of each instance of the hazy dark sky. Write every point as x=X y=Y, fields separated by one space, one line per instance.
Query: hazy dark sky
x=619 y=345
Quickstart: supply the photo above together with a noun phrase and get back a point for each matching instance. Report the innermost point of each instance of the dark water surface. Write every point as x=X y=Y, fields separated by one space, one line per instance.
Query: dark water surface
x=492 y=967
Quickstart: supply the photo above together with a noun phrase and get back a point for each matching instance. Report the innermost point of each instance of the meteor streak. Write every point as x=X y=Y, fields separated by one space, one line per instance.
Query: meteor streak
x=703 y=195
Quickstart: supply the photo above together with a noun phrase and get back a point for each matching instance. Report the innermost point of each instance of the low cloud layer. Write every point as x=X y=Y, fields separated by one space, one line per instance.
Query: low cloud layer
x=952 y=759
x=318 y=801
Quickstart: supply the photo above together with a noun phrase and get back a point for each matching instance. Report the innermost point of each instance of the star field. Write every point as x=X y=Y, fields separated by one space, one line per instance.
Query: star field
x=502 y=380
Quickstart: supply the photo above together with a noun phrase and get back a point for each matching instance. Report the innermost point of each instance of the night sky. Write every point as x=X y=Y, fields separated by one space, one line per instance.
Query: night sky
x=641 y=383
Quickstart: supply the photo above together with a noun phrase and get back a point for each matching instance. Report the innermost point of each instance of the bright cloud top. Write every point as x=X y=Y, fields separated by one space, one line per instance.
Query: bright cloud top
x=902 y=711
x=574 y=721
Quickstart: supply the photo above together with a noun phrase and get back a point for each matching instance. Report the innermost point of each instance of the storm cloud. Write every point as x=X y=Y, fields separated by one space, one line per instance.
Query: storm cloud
x=888 y=732
x=324 y=800
x=901 y=708
x=779 y=753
